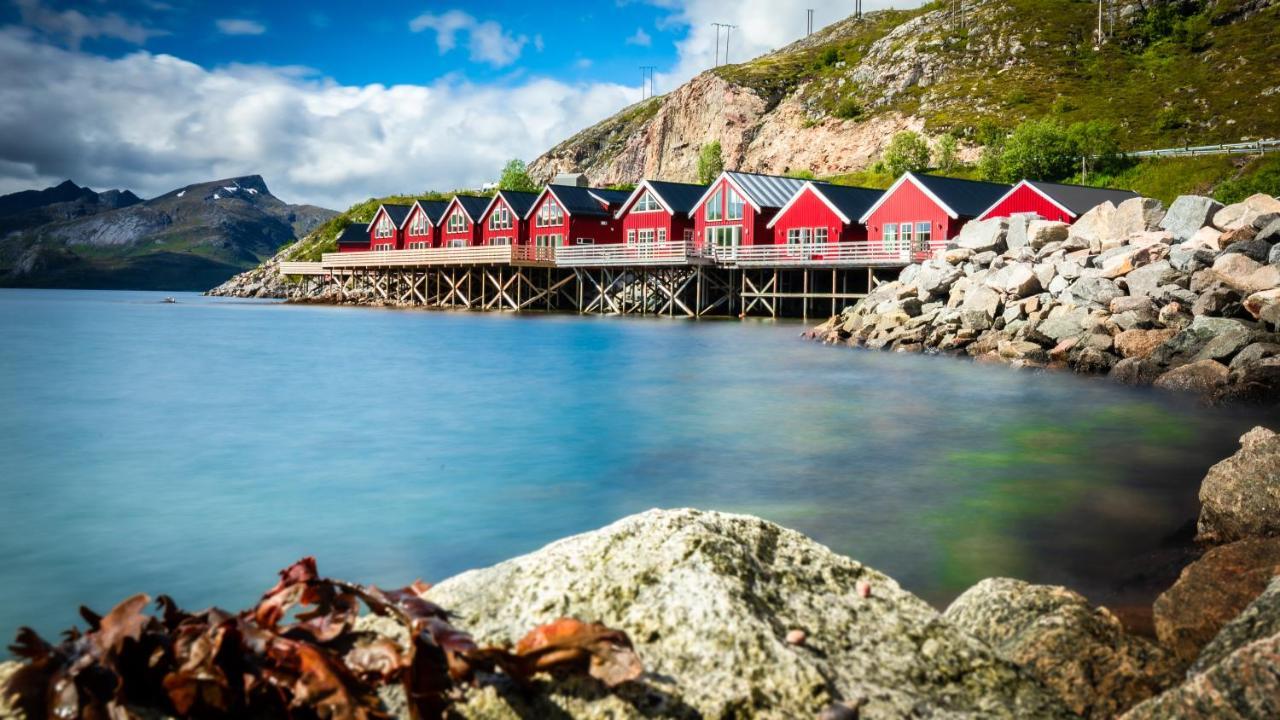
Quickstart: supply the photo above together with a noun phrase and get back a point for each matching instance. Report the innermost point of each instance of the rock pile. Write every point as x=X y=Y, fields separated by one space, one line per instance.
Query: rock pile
x=1187 y=299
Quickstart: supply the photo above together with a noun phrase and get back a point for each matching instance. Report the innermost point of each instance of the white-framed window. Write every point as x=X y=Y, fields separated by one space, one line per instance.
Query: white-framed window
x=890 y=235
x=456 y=243
x=724 y=236
x=419 y=225
x=501 y=218
x=735 y=206
x=550 y=214
x=384 y=228
x=585 y=241
x=904 y=234
x=662 y=234
x=631 y=235
x=715 y=206
x=383 y=247
x=457 y=221
x=646 y=235
x=552 y=240
x=924 y=235
x=798 y=236
x=419 y=245
x=819 y=235
x=647 y=203
x=500 y=241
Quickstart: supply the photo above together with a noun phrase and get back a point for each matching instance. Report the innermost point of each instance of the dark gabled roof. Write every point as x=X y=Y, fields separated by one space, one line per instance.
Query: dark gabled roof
x=680 y=197
x=580 y=200
x=434 y=209
x=852 y=201
x=1079 y=199
x=968 y=198
x=613 y=198
x=473 y=205
x=354 y=234
x=397 y=213
x=520 y=202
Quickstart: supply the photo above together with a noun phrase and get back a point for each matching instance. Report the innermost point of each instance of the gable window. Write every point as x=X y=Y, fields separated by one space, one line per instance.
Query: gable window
x=384 y=228
x=500 y=219
x=714 y=207
x=647 y=203
x=419 y=224
x=457 y=221
x=735 y=206
x=550 y=214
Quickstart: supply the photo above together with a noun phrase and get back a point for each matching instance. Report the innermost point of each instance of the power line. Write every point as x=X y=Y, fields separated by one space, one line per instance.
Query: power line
x=646 y=82
x=808 y=23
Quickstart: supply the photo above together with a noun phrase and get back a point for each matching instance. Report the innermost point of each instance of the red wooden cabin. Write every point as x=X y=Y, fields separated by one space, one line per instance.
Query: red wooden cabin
x=921 y=209
x=386 y=230
x=422 y=226
x=354 y=238
x=658 y=211
x=737 y=207
x=503 y=222
x=571 y=215
x=459 y=224
x=821 y=213
x=1053 y=201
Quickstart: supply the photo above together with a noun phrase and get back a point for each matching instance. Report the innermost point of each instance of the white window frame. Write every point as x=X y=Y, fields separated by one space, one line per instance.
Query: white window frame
x=906 y=233
x=924 y=235
x=714 y=211
x=645 y=235
x=457 y=221
x=419 y=245
x=662 y=235
x=734 y=205
x=384 y=247
x=384 y=228
x=631 y=235
x=419 y=225
x=820 y=236
x=889 y=235
x=500 y=219
x=456 y=243
x=585 y=241
x=647 y=203
x=550 y=214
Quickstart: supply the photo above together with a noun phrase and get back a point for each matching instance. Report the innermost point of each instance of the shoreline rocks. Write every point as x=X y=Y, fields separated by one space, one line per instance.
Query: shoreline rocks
x=1185 y=300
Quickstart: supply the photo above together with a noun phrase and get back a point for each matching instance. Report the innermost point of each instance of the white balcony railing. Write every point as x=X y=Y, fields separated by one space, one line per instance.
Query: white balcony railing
x=868 y=254
x=302 y=268
x=482 y=255
x=654 y=253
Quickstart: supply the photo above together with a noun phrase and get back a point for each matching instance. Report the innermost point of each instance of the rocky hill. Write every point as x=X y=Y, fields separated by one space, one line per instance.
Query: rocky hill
x=1169 y=73
x=187 y=239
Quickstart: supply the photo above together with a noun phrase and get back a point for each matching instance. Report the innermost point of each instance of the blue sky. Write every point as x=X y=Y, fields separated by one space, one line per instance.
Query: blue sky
x=333 y=102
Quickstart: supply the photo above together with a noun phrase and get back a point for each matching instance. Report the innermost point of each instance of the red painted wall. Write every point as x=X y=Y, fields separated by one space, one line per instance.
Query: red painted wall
x=1026 y=200
x=353 y=248
x=754 y=230
x=810 y=211
x=519 y=232
x=409 y=237
x=396 y=239
x=600 y=230
x=909 y=204
x=470 y=235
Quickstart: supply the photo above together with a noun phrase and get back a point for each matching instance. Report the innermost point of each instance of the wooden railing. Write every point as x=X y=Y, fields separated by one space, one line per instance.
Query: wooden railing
x=302 y=268
x=533 y=254
x=868 y=254
x=482 y=255
x=653 y=253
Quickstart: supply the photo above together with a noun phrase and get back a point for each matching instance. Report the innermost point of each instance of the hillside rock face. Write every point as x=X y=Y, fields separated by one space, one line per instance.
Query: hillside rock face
x=709 y=600
x=1081 y=652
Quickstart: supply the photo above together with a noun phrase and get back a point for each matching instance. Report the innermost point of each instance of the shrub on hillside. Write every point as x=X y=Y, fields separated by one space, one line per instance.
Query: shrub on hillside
x=710 y=162
x=907 y=152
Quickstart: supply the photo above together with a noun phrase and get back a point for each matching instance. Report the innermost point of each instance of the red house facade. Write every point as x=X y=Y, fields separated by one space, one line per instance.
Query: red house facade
x=459 y=224
x=386 y=230
x=570 y=215
x=821 y=213
x=354 y=238
x=422 y=224
x=503 y=222
x=737 y=207
x=1053 y=201
x=919 y=210
x=659 y=212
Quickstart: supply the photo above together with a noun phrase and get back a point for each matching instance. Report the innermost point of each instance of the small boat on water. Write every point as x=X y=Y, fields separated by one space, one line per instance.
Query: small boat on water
x=169 y=300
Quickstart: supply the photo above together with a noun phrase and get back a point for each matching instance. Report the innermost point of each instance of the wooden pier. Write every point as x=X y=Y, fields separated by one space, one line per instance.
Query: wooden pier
x=674 y=279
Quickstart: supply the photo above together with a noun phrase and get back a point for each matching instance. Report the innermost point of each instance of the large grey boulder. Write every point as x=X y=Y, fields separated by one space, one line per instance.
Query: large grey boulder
x=935 y=278
x=984 y=235
x=1240 y=496
x=1137 y=215
x=1041 y=233
x=1258 y=621
x=1016 y=234
x=1017 y=280
x=1080 y=652
x=1245 y=212
x=1094 y=291
x=980 y=307
x=709 y=600
x=1187 y=214
x=1091 y=228
x=1144 y=281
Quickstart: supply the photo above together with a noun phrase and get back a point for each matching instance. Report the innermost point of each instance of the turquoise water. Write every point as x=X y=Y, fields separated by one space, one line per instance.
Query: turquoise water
x=196 y=448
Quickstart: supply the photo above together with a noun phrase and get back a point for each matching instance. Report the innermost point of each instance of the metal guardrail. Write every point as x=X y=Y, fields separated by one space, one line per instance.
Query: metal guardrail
x=1255 y=147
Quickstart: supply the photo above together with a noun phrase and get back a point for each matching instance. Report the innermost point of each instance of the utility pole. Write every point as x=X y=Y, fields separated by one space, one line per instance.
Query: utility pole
x=808 y=22
x=727 y=29
x=718 y=26
x=857 y=8
x=646 y=81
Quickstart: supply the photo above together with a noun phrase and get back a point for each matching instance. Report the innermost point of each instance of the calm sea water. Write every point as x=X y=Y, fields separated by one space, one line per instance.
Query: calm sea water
x=197 y=448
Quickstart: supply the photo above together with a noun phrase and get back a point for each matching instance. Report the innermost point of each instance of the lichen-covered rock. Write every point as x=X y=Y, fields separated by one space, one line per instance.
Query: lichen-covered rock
x=1211 y=592
x=1259 y=621
x=1202 y=377
x=1080 y=652
x=709 y=600
x=1187 y=214
x=1243 y=686
x=1240 y=496
x=1138 y=343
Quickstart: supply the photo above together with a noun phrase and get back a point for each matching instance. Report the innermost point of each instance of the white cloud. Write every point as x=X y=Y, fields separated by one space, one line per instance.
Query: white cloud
x=236 y=26
x=73 y=27
x=486 y=40
x=641 y=38
x=152 y=123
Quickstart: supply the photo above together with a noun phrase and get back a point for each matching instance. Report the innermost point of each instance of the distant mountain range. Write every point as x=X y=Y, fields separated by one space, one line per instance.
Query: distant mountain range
x=188 y=239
